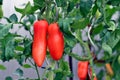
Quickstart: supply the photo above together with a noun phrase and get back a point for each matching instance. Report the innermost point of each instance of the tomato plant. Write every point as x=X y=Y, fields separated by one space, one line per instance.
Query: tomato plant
x=94 y=25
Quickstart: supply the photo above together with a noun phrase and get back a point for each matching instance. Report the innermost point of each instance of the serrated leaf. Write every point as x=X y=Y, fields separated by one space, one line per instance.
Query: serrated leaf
x=59 y=76
x=19 y=48
x=65 y=24
x=27 y=47
x=19 y=72
x=13 y=18
x=8 y=47
x=4 y=29
x=21 y=58
x=2 y=67
x=80 y=24
x=27 y=10
x=114 y=38
x=39 y=3
x=32 y=18
x=19 y=10
x=85 y=6
x=27 y=66
x=107 y=48
x=64 y=65
x=70 y=40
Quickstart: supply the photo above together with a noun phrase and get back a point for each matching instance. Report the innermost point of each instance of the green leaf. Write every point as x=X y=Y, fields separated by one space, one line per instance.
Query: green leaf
x=97 y=29
x=19 y=10
x=2 y=67
x=70 y=6
x=80 y=24
x=107 y=48
x=19 y=48
x=4 y=29
x=112 y=26
x=61 y=3
x=39 y=3
x=27 y=66
x=70 y=40
x=8 y=78
x=1 y=12
x=31 y=18
x=27 y=10
x=50 y=75
x=8 y=47
x=19 y=72
x=27 y=47
x=85 y=6
x=64 y=65
x=21 y=58
x=114 y=3
x=110 y=10
x=28 y=21
x=100 y=74
x=114 y=38
x=13 y=18
x=59 y=76
x=65 y=23
x=63 y=72
x=1 y=1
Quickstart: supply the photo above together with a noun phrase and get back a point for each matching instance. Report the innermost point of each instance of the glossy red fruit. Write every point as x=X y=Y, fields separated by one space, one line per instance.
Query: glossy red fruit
x=55 y=41
x=82 y=70
x=39 y=46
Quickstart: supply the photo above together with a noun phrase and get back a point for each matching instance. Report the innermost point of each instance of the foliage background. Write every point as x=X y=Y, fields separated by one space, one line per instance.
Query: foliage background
x=81 y=21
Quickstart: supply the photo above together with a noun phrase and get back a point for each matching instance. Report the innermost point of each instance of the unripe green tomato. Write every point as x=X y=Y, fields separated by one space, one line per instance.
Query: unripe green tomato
x=1 y=12
x=119 y=59
x=107 y=77
x=98 y=14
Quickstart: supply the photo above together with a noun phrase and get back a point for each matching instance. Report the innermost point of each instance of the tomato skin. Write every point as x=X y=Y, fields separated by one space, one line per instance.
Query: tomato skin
x=109 y=69
x=82 y=69
x=39 y=46
x=55 y=41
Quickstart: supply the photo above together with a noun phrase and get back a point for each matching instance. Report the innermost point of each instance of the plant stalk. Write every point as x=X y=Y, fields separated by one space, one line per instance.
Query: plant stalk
x=37 y=72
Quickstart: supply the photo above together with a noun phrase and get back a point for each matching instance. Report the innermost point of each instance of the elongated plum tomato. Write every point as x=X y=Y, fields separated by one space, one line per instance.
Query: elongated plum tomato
x=39 y=41
x=82 y=69
x=55 y=41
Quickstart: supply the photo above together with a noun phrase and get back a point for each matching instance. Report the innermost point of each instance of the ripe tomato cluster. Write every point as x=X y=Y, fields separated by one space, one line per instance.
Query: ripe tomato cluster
x=46 y=35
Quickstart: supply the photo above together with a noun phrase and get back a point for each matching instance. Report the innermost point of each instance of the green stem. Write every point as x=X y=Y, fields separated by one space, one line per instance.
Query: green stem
x=79 y=58
x=37 y=72
x=84 y=44
x=103 y=10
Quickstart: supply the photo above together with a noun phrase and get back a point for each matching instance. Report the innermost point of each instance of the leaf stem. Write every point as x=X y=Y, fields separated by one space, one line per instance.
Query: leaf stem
x=103 y=10
x=37 y=72
x=79 y=58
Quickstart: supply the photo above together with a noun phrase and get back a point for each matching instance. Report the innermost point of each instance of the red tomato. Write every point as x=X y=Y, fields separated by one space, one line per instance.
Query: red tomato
x=55 y=41
x=82 y=69
x=39 y=41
